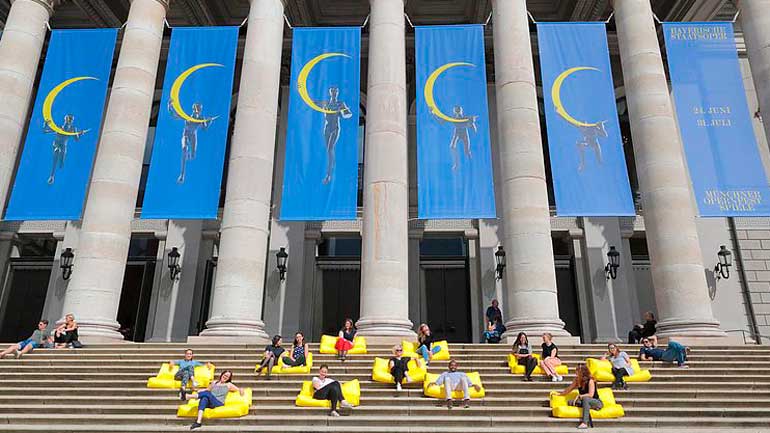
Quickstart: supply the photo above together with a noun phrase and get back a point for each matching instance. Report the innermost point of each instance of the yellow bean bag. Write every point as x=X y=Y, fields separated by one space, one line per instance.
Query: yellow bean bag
x=438 y=391
x=351 y=391
x=165 y=377
x=381 y=371
x=329 y=341
x=280 y=368
x=560 y=407
x=602 y=371
x=235 y=406
x=516 y=368
x=410 y=348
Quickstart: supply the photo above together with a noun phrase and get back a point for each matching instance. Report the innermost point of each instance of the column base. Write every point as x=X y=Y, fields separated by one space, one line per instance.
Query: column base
x=96 y=331
x=535 y=326
x=226 y=327
x=385 y=331
x=671 y=328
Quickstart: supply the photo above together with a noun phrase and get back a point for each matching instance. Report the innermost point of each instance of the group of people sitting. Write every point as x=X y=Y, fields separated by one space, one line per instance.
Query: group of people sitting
x=64 y=335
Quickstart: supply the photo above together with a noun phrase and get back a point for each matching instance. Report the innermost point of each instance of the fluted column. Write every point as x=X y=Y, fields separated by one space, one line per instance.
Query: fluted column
x=678 y=275
x=20 y=48
x=755 y=21
x=384 y=256
x=93 y=294
x=236 y=308
x=530 y=273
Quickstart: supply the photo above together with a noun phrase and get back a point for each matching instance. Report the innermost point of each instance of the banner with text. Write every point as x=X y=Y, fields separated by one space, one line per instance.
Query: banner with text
x=719 y=142
x=188 y=153
x=55 y=166
x=454 y=161
x=588 y=166
x=320 y=177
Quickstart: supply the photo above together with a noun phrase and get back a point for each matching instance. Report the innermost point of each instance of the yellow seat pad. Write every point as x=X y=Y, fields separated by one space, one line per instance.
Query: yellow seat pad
x=280 y=368
x=165 y=377
x=438 y=391
x=410 y=348
x=516 y=368
x=329 y=341
x=560 y=407
x=351 y=391
x=235 y=406
x=601 y=370
x=381 y=371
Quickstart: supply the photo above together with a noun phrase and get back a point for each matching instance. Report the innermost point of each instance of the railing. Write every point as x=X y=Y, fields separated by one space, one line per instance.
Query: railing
x=756 y=338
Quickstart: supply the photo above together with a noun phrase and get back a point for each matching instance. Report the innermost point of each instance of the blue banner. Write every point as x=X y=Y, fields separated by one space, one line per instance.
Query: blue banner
x=55 y=166
x=454 y=162
x=719 y=142
x=188 y=153
x=585 y=145
x=320 y=177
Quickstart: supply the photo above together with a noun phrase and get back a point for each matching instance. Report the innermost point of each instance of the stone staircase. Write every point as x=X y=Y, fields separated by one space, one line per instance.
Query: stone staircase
x=101 y=388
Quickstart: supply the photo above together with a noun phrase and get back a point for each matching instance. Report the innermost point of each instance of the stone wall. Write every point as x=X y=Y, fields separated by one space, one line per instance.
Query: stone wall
x=754 y=244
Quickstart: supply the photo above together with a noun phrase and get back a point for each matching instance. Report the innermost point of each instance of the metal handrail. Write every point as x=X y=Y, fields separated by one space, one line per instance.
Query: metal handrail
x=756 y=337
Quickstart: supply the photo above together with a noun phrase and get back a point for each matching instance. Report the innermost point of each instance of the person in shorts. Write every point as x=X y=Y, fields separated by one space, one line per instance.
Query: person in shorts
x=39 y=338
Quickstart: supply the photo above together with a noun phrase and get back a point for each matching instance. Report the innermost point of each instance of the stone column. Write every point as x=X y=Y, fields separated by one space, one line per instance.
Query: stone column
x=93 y=294
x=384 y=255
x=236 y=308
x=530 y=273
x=20 y=48
x=755 y=21
x=678 y=274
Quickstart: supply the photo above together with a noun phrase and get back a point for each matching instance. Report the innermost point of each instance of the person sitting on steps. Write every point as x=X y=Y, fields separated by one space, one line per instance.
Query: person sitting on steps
x=327 y=388
x=398 y=365
x=588 y=394
x=270 y=357
x=491 y=335
x=550 y=359
x=523 y=353
x=66 y=333
x=186 y=371
x=454 y=380
x=425 y=343
x=39 y=338
x=674 y=352
x=299 y=351
x=345 y=339
x=621 y=365
x=647 y=329
x=213 y=397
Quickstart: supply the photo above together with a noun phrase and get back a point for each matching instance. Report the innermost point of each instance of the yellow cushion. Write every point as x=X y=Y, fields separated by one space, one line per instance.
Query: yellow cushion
x=280 y=368
x=165 y=377
x=560 y=407
x=351 y=391
x=516 y=368
x=381 y=371
x=438 y=391
x=329 y=341
x=235 y=406
x=601 y=370
x=410 y=348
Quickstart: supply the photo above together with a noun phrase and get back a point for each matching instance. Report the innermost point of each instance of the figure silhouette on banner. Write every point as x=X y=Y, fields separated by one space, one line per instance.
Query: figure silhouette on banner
x=460 y=133
x=190 y=134
x=60 y=141
x=590 y=140
x=334 y=111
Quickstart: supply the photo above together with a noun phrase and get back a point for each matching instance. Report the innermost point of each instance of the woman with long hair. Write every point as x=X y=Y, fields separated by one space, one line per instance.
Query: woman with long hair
x=522 y=350
x=298 y=353
x=550 y=359
x=270 y=357
x=588 y=394
x=327 y=388
x=621 y=365
x=345 y=339
x=213 y=397
x=66 y=333
x=425 y=343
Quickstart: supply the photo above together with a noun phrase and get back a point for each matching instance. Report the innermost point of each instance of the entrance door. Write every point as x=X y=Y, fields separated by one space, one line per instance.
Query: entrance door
x=447 y=296
x=341 y=298
x=135 y=299
x=569 y=311
x=28 y=287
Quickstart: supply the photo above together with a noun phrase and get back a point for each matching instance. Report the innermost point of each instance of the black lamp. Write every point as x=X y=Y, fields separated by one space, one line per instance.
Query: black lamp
x=611 y=268
x=722 y=269
x=281 y=257
x=173 y=263
x=65 y=262
x=500 y=260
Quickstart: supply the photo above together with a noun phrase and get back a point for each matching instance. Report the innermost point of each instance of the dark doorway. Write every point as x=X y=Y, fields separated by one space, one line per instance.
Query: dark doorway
x=28 y=285
x=448 y=299
x=569 y=310
x=341 y=297
x=135 y=299
x=208 y=287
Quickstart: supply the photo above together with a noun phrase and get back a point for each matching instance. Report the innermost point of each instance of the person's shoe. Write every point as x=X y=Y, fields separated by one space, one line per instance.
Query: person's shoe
x=582 y=427
x=334 y=413
x=625 y=386
x=561 y=378
x=183 y=394
x=684 y=366
x=345 y=405
x=195 y=425
x=554 y=378
x=449 y=404
x=467 y=403
x=398 y=387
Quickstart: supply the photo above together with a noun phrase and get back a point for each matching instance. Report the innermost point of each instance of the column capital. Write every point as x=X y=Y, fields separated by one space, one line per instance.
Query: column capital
x=47 y=4
x=165 y=3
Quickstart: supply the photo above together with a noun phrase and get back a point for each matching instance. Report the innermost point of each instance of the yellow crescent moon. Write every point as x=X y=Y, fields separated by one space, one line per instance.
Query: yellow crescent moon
x=428 y=91
x=556 y=96
x=304 y=73
x=48 y=104
x=177 y=86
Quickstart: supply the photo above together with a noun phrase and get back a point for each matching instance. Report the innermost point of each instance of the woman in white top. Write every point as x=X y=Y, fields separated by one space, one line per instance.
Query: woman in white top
x=621 y=365
x=327 y=388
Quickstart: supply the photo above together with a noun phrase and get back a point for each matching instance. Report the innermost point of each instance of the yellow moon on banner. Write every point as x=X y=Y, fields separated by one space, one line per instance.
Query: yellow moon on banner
x=304 y=73
x=51 y=98
x=177 y=87
x=556 y=96
x=428 y=91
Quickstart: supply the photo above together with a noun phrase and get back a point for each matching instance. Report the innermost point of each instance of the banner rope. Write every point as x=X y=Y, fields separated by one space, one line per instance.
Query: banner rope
x=285 y=18
x=245 y=20
x=48 y=25
x=366 y=21
x=737 y=14
x=531 y=17
x=612 y=15
x=165 y=22
x=657 y=20
x=489 y=18
x=408 y=20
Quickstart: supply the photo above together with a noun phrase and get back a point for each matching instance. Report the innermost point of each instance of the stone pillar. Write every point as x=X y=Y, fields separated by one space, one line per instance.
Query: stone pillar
x=20 y=48
x=236 y=308
x=384 y=256
x=677 y=269
x=57 y=285
x=93 y=294
x=532 y=303
x=755 y=21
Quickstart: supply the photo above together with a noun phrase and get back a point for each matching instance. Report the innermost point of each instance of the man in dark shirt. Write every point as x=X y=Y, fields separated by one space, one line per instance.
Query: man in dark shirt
x=675 y=352
x=494 y=314
x=647 y=329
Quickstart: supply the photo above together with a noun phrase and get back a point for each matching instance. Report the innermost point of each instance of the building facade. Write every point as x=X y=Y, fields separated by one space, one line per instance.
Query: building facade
x=387 y=270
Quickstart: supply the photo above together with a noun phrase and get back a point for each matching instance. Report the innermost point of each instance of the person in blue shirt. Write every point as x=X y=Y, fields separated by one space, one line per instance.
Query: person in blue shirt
x=186 y=371
x=675 y=352
x=491 y=335
x=454 y=380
